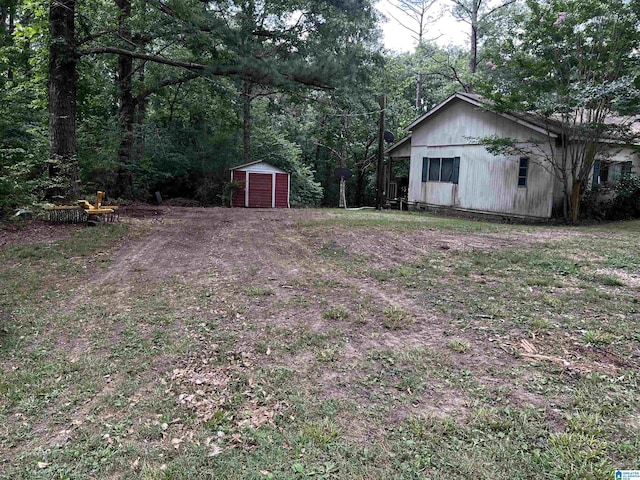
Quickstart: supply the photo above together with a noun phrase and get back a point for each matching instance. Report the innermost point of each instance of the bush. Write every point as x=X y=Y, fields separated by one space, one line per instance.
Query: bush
x=626 y=202
x=616 y=201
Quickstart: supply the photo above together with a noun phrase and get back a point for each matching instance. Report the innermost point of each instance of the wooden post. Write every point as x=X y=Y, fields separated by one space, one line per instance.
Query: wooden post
x=379 y=171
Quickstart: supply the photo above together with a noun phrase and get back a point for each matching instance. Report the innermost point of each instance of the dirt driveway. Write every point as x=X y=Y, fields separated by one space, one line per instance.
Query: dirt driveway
x=276 y=343
x=286 y=272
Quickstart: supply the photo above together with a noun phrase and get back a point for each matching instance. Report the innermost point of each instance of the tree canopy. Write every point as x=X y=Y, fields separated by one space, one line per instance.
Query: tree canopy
x=168 y=94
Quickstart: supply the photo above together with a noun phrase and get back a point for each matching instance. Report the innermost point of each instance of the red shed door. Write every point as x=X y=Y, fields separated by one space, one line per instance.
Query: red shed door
x=260 y=190
x=238 y=194
x=282 y=190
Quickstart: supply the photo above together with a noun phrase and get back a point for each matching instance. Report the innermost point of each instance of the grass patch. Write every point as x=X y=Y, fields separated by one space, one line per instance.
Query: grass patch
x=338 y=312
x=255 y=291
x=459 y=346
x=398 y=221
x=180 y=379
x=396 y=318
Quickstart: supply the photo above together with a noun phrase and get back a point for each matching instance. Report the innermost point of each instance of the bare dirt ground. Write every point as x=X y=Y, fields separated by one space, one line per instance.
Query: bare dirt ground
x=230 y=250
x=37 y=231
x=315 y=324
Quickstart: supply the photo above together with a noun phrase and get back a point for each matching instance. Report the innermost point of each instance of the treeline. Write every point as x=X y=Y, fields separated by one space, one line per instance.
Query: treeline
x=137 y=96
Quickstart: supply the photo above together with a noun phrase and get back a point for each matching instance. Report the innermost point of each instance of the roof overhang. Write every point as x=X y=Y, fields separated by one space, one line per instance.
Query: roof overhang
x=398 y=144
x=256 y=162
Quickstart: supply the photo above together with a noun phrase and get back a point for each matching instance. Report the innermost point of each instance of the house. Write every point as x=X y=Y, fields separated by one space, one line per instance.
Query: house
x=261 y=185
x=450 y=168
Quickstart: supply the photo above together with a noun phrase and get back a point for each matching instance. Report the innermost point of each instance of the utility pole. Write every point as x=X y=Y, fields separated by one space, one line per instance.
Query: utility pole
x=380 y=172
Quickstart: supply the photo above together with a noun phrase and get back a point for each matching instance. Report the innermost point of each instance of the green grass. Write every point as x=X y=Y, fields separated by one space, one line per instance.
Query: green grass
x=355 y=372
x=399 y=221
x=396 y=318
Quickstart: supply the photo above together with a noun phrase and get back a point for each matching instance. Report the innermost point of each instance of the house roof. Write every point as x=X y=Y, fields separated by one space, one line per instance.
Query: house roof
x=533 y=122
x=257 y=162
x=398 y=144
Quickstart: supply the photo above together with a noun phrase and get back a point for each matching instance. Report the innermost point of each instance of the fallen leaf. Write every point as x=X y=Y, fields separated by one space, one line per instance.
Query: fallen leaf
x=215 y=450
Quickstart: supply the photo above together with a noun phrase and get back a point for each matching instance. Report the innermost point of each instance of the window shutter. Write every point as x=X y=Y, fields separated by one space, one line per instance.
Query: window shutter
x=596 y=173
x=456 y=170
x=425 y=169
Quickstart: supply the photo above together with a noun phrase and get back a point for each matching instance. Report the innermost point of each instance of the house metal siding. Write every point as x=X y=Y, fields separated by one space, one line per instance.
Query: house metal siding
x=403 y=150
x=239 y=194
x=486 y=182
x=260 y=190
x=282 y=190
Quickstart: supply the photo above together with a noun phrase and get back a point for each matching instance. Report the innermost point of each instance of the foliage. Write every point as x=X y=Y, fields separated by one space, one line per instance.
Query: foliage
x=618 y=201
x=23 y=157
x=274 y=148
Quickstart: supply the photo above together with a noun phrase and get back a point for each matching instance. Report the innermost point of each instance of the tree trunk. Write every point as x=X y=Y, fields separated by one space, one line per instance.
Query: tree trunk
x=247 y=88
x=141 y=113
x=342 y=203
x=360 y=187
x=575 y=200
x=473 y=52
x=62 y=86
x=124 y=180
x=6 y=29
x=419 y=92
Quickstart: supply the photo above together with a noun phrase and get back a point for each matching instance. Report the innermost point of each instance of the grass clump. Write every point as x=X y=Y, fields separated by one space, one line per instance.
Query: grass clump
x=459 y=346
x=396 y=318
x=258 y=291
x=338 y=312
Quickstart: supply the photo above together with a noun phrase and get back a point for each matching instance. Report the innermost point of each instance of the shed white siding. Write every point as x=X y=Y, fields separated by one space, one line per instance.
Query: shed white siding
x=487 y=183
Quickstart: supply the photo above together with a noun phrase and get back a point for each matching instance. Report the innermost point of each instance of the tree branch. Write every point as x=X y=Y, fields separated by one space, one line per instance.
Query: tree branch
x=248 y=73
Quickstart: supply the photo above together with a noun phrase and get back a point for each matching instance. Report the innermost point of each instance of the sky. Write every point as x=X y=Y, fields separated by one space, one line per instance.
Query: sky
x=445 y=31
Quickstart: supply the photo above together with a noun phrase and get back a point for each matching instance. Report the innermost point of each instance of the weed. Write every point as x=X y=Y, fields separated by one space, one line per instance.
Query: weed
x=328 y=354
x=459 y=346
x=320 y=433
x=608 y=280
x=598 y=337
x=338 y=312
x=258 y=291
x=540 y=325
x=396 y=318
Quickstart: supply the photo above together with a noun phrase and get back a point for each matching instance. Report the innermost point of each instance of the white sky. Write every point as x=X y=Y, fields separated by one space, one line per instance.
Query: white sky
x=446 y=30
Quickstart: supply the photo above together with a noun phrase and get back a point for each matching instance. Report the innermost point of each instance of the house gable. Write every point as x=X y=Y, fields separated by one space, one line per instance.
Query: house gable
x=258 y=166
x=400 y=149
x=459 y=122
x=480 y=104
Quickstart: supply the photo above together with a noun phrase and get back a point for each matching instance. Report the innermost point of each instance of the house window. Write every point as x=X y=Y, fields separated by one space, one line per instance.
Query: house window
x=523 y=170
x=440 y=169
x=604 y=172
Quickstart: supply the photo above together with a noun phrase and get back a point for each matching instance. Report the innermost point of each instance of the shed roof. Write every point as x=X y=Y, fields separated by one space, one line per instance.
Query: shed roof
x=247 y=166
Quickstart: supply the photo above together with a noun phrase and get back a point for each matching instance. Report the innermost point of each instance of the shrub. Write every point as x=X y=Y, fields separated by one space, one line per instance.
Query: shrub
x=615 y=201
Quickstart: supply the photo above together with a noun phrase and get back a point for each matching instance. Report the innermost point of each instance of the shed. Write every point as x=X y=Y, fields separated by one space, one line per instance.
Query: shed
x=262 y=186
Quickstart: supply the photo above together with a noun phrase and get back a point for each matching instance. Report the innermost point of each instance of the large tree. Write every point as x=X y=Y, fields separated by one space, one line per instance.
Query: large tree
x=574 y=65
x=283 y=44
x=479 y=14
